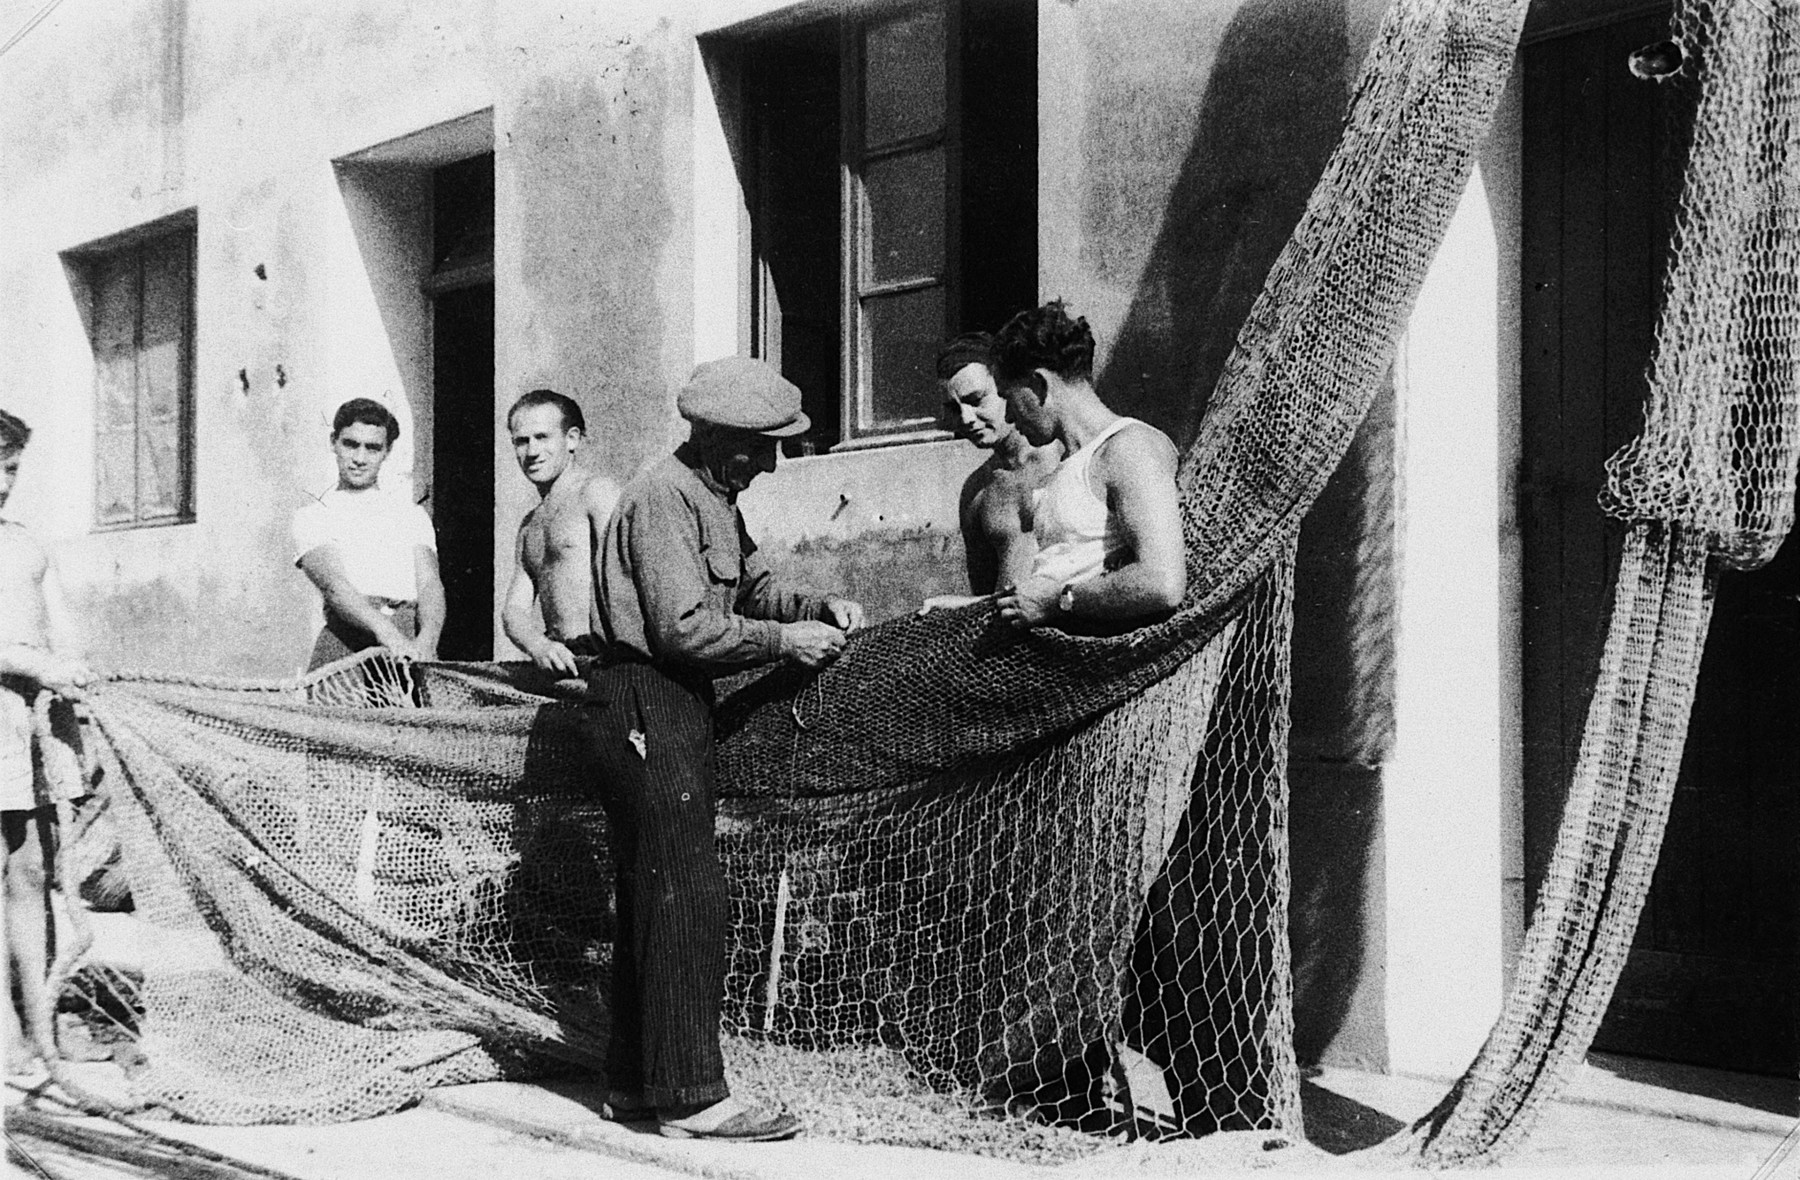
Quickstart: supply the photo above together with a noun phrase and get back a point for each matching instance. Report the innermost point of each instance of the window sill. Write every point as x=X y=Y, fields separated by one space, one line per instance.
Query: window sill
x=132 y=526
x=898 y=438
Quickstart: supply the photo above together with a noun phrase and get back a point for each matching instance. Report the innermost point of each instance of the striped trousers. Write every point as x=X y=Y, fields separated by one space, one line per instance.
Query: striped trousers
x=651 y=739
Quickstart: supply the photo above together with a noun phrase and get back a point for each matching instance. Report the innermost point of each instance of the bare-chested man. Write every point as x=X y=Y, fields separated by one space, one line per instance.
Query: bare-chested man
x=555 y=550
x=995 y=505
x=33 y=655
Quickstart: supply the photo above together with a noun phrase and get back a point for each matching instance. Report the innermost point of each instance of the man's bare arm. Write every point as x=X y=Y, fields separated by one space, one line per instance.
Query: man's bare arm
x=521 y=598
x=326 y=569
x=981 y=562
x=980 y=556
x=1015 y=554
x=1139 y=471
x=57 y=620
x=56 y=673
x=520 y=627
x=432 y=608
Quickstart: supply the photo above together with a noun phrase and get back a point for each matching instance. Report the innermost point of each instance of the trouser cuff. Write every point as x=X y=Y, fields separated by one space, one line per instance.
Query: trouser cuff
x=708 y=1093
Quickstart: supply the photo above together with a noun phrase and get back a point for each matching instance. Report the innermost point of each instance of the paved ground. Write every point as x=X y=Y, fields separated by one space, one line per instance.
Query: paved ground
x=1622 y=1118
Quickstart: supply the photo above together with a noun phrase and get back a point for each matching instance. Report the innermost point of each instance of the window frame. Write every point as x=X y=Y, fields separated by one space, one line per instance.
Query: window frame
x=860 y=427
x=85 y=265
x=795 y=80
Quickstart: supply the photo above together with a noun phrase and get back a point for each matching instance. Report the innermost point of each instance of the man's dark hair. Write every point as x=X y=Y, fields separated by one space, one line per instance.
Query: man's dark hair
x=1045 y=338
x=367 y=412
x=971 y=348
x=14 y=434
x=565 y=405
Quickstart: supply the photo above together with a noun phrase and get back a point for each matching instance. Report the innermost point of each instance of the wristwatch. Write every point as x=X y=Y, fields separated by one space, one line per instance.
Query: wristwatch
x=1065 y=601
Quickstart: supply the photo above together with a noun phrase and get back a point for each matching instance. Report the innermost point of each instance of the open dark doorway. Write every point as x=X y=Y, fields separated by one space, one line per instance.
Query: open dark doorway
x=462 y=456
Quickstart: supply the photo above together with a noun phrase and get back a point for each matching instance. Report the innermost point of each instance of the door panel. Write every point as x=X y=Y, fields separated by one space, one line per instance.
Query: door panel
x=1711 y=975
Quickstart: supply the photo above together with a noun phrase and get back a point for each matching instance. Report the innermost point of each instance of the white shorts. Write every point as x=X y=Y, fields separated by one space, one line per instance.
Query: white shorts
x=18 y=771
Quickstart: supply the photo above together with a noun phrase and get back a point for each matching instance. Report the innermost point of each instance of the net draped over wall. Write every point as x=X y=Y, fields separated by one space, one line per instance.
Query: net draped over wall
x=999 y=856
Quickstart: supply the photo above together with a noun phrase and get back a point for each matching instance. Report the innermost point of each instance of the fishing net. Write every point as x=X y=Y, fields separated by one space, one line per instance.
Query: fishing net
x=1044 y=872
x=979 y=849
x=1708 y=486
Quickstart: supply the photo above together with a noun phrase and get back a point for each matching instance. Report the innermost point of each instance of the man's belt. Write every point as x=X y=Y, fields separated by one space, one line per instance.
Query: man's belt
x=613 y=655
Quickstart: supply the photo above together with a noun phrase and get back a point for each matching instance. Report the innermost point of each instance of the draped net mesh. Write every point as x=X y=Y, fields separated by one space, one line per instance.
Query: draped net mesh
x=972 y=870
x=1708 y=486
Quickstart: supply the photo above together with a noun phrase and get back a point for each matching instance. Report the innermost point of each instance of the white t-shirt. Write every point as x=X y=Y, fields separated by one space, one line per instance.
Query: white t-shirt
x=375 y=533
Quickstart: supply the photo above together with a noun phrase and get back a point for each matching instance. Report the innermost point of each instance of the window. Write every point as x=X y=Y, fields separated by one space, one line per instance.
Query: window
x=140 y=303
x=891 y=162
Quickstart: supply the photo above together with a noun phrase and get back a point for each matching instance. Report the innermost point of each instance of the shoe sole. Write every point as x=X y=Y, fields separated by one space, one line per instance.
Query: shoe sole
x=671 y=1132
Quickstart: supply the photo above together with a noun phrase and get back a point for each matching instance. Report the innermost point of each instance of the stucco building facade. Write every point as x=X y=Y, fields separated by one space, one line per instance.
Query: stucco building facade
x=446 y=205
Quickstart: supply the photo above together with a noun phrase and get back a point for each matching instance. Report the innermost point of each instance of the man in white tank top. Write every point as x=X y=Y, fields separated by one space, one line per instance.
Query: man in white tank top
x=1108 y=523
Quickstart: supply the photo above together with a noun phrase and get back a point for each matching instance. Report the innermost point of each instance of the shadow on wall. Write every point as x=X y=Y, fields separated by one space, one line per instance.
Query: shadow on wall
x=1343 y=731
x=1270 y=117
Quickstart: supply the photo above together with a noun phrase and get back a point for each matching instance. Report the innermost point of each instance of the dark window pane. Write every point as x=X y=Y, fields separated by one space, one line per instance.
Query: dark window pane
x=791 y=111
x=903 y=77
x=904 y=332
x=903 y=201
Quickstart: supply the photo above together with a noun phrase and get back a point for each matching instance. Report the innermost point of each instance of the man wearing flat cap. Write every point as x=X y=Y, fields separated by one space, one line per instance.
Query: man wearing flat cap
x=683 y=597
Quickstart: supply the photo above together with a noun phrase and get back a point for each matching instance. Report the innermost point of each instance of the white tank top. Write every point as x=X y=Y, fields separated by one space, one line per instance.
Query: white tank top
x=1075 y=532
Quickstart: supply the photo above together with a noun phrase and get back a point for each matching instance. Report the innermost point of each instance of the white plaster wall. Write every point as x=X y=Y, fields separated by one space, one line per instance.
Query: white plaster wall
x=1443 y=785
x=1501 y=169
x=235 y=109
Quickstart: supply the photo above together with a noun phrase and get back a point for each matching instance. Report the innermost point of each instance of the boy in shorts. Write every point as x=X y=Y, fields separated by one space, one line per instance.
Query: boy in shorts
x=29 y=604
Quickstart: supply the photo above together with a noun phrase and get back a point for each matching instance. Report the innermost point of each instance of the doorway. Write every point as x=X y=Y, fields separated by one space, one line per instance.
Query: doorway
x=462 y=461
x=1711 y=977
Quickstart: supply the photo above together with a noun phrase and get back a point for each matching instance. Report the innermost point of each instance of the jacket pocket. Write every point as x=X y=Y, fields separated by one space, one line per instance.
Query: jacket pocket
x=723 y=567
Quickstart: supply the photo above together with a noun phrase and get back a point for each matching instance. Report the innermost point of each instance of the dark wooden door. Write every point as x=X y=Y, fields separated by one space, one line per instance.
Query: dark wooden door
x=1711 y=978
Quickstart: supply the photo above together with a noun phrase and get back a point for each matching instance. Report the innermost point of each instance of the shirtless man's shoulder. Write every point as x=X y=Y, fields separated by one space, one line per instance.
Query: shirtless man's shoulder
x=1136 y=450
x=600 y=495
x=563 y=516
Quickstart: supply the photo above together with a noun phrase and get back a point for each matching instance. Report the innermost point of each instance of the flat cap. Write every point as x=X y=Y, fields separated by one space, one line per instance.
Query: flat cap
x=745 y=394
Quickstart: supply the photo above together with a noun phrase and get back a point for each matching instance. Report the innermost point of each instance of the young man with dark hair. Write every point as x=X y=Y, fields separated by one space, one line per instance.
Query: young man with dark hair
x=685 y=596
x=995 y=505
x=33 y=639
x=372 y=555
x=1108 y=522
x=553 y=565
